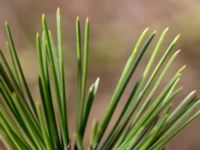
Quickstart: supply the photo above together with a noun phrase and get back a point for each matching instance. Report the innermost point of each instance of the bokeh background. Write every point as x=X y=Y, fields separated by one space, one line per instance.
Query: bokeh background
x=115 y=26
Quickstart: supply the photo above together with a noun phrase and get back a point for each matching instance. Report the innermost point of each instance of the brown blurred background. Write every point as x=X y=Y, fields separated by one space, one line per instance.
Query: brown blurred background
x=115 y=26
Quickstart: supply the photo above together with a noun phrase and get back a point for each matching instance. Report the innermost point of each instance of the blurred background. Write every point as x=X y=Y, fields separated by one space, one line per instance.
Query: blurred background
x=115 y=26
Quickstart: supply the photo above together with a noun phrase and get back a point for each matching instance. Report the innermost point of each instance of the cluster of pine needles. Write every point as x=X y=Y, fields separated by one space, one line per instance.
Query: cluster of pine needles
x=147 y=121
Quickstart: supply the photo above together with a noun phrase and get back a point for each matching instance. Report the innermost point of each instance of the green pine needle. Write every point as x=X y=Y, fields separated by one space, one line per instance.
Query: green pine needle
x=147 y=120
